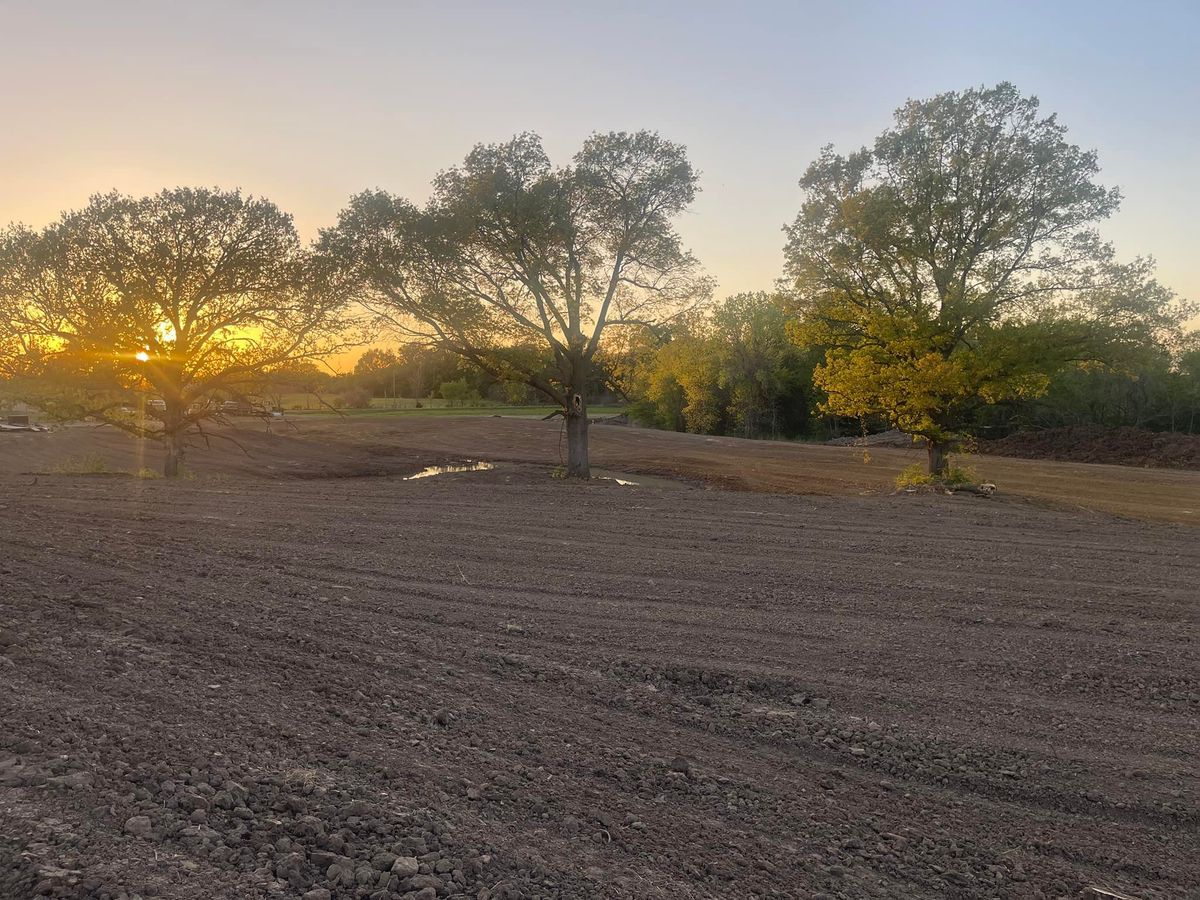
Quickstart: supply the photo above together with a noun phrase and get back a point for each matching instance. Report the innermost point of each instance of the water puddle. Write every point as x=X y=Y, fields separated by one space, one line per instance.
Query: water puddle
x=430 y=471
x=617 y=480
x=628 y=479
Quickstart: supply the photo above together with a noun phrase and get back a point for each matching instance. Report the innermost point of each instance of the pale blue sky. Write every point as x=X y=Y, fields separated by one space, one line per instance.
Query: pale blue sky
x=308 y=102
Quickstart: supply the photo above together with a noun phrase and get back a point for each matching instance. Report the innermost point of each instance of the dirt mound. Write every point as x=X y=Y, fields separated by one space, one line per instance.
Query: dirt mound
x=1093 y=444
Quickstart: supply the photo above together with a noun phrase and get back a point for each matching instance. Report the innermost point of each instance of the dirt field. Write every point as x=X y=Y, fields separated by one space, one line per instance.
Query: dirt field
x=380 y=446
x=269 y=681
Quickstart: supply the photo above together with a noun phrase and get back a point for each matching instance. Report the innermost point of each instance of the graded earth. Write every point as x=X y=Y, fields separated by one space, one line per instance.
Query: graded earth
x=270 y=680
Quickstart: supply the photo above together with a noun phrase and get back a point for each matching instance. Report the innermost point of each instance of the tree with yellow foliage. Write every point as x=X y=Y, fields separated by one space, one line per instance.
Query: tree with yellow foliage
x=955 y=264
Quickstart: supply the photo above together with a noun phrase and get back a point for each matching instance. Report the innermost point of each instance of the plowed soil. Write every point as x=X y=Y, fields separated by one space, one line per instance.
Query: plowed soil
x=271 y=681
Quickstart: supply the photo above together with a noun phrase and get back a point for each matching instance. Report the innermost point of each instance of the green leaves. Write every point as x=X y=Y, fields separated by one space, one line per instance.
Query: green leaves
x=519 y=266
x=954 y=263
x=735 y=372
x=178 y=295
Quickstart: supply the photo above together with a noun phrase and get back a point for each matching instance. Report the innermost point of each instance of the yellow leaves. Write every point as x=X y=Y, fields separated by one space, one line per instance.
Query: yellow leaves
x=911 y=389
x=919 y=388
x=683 y=375
x=1017 y=387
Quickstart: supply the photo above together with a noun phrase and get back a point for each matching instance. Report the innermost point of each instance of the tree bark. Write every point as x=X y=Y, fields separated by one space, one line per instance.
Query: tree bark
x=575 y=371
x=939 y=457
x=173 y=439
x=577 y=438
x=174 y=461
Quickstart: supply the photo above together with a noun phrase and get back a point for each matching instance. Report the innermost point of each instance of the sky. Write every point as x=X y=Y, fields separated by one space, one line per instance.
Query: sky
x=307 y=103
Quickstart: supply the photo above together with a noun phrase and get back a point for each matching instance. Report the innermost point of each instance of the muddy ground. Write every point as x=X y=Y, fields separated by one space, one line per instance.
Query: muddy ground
x=497 y=684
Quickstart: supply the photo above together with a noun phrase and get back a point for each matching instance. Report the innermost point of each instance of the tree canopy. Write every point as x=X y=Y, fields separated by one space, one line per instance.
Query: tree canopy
x=520 y=267
x=732 y=371
x=947 y=279
x=176 y=299
x=955 y=264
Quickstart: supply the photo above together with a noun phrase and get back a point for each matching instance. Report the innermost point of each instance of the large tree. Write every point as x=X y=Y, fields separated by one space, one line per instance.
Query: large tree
x=955 y=264
x=521 y=267
x=144 y=312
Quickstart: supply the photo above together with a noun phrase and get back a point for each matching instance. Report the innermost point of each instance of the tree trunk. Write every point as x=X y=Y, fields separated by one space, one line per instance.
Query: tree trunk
x=577 y=438
x=173 y=439
x=939 y=457
x=575 y=372
x=174 y=462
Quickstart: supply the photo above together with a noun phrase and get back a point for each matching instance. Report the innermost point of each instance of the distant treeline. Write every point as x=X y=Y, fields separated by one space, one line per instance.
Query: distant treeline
x=411 y=372
x=948 y=279
x=737 y=371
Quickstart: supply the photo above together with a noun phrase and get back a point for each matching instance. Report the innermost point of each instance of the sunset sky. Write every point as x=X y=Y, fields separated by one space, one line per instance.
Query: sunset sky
x=307 y=103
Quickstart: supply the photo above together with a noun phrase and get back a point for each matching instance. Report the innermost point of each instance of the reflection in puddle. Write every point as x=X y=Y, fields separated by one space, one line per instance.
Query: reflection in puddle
x=430 y=471
x=630 y=480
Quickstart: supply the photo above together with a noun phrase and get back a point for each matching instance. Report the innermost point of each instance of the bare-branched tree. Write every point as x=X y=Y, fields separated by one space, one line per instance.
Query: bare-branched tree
x=521 y=267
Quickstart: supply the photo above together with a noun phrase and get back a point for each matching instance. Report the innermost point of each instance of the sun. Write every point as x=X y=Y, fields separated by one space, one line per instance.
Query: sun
x=142 y=356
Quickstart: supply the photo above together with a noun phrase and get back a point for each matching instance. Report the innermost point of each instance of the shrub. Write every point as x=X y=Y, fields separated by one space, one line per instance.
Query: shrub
x=357 y=398
x=459 y=393
x=916 y=476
